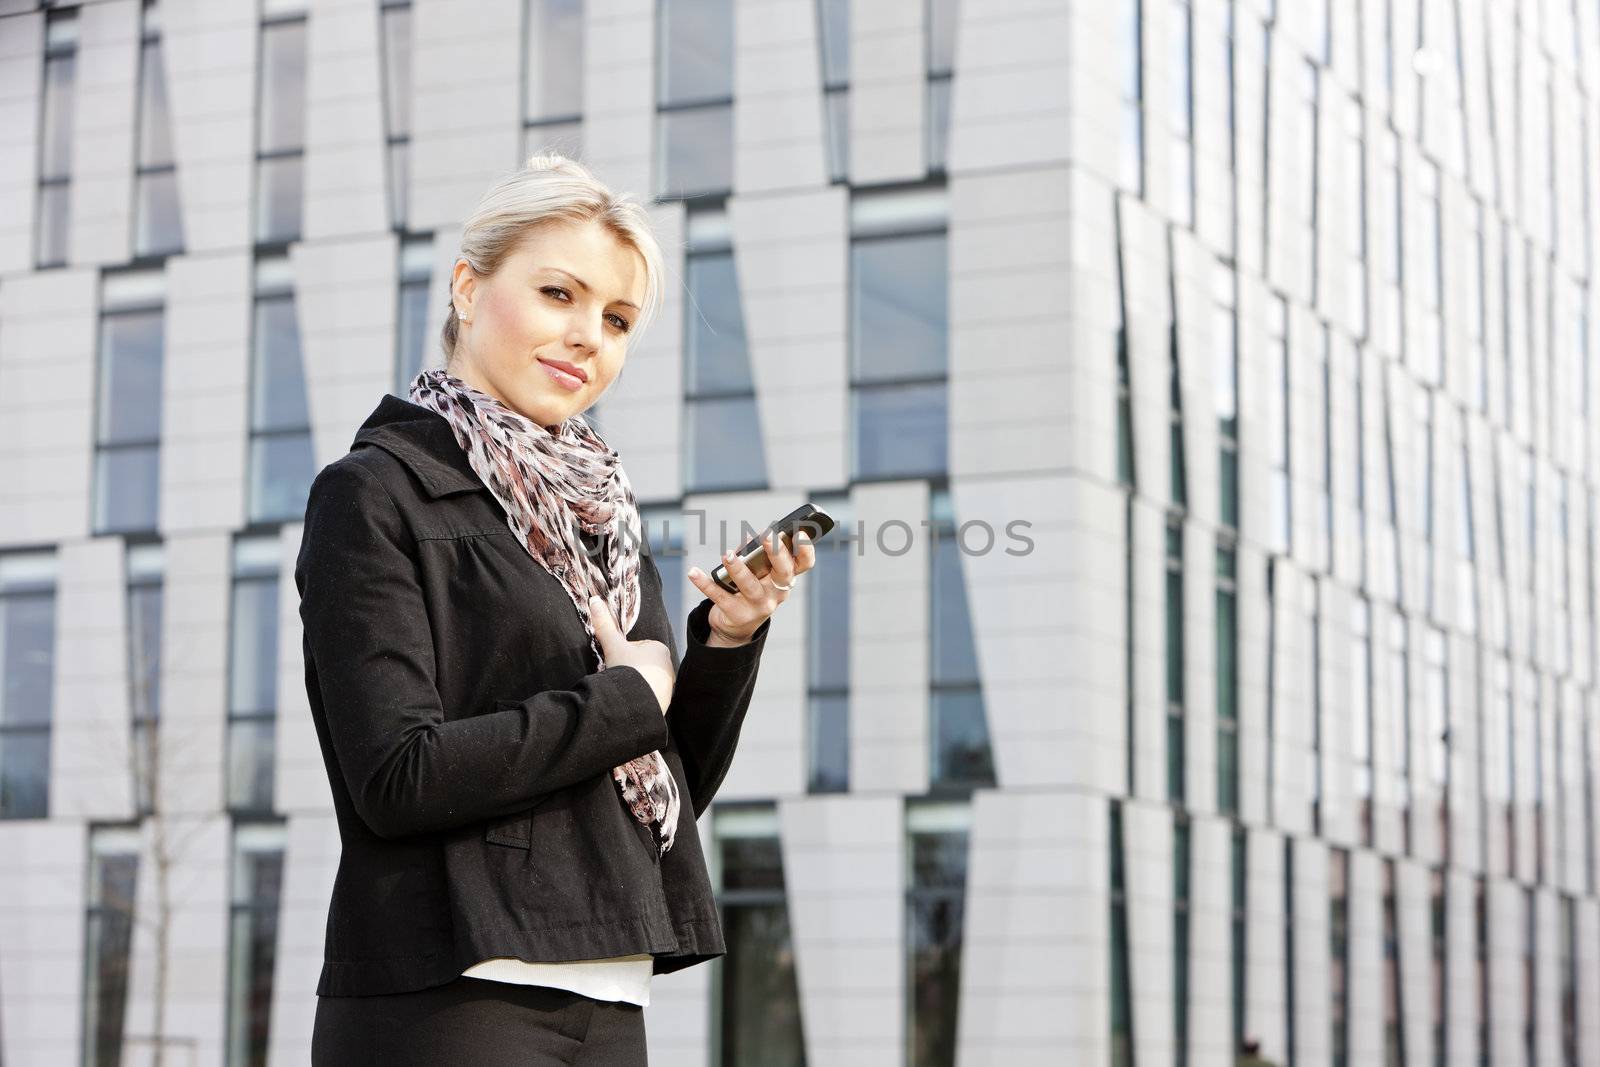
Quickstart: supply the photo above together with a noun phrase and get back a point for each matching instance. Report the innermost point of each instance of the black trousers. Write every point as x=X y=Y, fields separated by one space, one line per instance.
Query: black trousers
x=479 y=1022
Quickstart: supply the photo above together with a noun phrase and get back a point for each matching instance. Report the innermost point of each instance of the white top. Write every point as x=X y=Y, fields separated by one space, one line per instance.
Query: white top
x=613 y=978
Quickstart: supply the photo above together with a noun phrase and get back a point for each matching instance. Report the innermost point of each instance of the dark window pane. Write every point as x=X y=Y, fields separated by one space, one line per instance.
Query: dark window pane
x=251 y=747
x=283 y=86
x=397 y=70
x=145 y=606
x=961 y=738
x=899 y=308
x=719 y=361
x=127 y=484
x=413 y=332
x=955 y=656
x=53 y=210
x=760 y=1000
x=279 y=388
x=726 y=441
x=130 y=377
x=555 y=58
x=829 y=611
x=159 y=225
x=901 y=431
x=751 y=863
x=938 y=860
x=253 y=662
x=934 y=941
x=252 y=950
x=24 y=773
x=109 y=935
x=696 y=50
x=55 y=149
x=278 y=199
x=696 y=152
x=830 y=744
x=281 y=470
x=155 y=118
x=27 y=654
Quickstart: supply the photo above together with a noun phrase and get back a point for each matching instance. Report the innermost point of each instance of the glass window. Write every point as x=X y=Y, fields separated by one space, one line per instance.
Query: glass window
x=696 y=50
x=1339 y=955
x=1227 y=668
x=253 y=673
x=1121 y=992
x=108 y=936
x=936 y=881
x=1173 y=611
x=754 y=985
x=281 y=458
x=695 y=151
x=27 y=682
x=961 y=752
x=899 y=307
x=53 y=233
x=555 y=58
x=397 y=69
x=129 y=408
x=256 y=888
x=901 y=431
x=145 y=610
x=1180 y=931
x=723 y=419
x=1131 y=47
x=715 y=348
x=416 y=270
x=155 y=116
x=1181 y=73
x=279 y=199
x=828 y=654
x=283 y=86
x=158 y=226
x=725 y=443
x=55 y=135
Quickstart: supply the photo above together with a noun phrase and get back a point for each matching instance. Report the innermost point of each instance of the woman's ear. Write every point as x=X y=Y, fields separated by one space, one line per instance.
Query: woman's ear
x=463 y=288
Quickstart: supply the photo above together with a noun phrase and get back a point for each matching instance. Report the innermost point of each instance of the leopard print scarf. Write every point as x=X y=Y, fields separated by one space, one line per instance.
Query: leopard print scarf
x=551 y=484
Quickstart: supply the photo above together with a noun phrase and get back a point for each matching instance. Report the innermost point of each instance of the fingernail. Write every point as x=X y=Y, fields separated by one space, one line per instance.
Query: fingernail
x=695 y=572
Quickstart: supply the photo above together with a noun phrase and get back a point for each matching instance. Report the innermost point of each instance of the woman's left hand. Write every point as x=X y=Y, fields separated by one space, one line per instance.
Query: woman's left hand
x=735 y=617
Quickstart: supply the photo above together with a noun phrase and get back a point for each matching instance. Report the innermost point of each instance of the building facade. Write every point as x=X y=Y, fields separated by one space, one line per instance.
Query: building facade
x=1204 y=387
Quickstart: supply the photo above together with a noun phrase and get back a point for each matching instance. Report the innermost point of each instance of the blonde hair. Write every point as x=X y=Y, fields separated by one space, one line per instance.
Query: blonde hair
x=550 y=187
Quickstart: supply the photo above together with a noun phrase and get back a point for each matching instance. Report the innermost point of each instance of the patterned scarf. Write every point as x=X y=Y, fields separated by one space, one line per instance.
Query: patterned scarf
x=548 y=484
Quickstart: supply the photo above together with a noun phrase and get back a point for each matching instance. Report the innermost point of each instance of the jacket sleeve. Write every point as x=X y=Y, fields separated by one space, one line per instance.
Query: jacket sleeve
x=408 y=769
x=710 y=696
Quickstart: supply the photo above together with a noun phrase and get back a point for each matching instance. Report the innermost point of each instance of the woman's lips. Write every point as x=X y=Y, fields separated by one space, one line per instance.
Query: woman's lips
x=570 y=382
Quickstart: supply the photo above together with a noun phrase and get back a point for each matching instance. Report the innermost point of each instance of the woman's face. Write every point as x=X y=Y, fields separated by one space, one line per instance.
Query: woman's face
x=534 y=311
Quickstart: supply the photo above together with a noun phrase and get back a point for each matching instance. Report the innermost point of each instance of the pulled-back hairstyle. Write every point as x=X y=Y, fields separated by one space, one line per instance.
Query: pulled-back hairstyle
x=548 y=187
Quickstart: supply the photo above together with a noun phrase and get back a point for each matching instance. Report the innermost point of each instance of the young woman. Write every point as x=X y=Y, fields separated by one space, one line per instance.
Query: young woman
x=517 y=755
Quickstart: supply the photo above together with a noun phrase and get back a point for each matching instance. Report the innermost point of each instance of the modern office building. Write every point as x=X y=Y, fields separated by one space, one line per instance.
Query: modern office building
x=1206 y=389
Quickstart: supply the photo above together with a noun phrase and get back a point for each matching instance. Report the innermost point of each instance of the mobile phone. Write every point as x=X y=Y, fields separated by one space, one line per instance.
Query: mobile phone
x=808 y=517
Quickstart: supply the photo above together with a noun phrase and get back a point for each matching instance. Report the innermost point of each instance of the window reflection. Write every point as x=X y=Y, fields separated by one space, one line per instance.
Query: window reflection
x=758 y=1003
x=27 y=682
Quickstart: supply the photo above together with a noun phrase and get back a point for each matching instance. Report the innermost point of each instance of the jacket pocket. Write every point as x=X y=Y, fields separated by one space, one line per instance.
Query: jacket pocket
x=514 y=830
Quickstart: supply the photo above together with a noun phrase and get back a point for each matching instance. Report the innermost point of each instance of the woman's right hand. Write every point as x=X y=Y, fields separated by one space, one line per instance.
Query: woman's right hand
x=652 y=659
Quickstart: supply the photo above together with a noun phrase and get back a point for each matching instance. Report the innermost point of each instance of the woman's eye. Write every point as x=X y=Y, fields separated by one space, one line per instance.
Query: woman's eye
x=620 y=322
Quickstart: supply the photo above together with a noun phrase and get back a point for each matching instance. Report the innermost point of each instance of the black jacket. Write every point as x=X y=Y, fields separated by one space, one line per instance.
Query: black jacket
x=469 y=738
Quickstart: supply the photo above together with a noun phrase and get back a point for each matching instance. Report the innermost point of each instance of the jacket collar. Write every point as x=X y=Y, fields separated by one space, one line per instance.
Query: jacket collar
x=420 y=438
